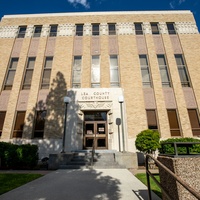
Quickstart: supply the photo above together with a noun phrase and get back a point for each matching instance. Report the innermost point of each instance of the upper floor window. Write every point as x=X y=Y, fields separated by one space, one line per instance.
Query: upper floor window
x=11 y=74
x=47 y=73
x=171 y=28
x=146 y=79
x=21 y=32
x=164 y=71
x=29 y=73
x=112 y=29
x=154 y=28
x=76 y=77
x=37 y=31
x=53 y=30
x=95 y=72
x=182 y=69
x=79 y=29
x=2 y=118
x=114 y=71
x=95 y=29
x=138 y=29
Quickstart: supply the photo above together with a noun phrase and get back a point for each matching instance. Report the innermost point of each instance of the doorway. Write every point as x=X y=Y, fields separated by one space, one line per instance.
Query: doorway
x=95 y=130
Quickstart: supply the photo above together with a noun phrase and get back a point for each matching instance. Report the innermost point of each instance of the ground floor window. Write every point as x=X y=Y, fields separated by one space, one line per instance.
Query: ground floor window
x=194 y=121
x=19 y=124
x=2 y=118
x=39 y=124
x=152 y=120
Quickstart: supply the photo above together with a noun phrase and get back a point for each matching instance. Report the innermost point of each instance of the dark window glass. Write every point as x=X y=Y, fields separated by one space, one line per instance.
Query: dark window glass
x=194 y=121
x=138 y=29
x=79 y=29
x=21 y=32
x=37 y=31
x=2 y=118
x=154 y=28
x=152 y=120
x=53 y=30
x=112 y=29
x=19 y=124
x=173 y=123
x=95 y=116
x=11 y=74
x=39 y=124
x=95 y=29
x=171 y=28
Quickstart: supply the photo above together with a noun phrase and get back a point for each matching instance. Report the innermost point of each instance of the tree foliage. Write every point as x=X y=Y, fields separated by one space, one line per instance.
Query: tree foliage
x=147 y=141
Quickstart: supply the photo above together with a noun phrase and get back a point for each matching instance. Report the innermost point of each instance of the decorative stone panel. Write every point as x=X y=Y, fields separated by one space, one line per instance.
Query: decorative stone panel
x=41 y=101
x=103 y=29
x=163 y=28
x=189 y=97
x=113 y=44
x=17 y=47
x=186 y=28
x=23 y=100
x=149 y=98
x=78 y=45
x=125 y=28
x=141 y=44
x=66 y=30
x=87 y=29
x=45 y=30
x=33 y=49
x=95 y=45
x=8 y=31
x=4 y=98
x=29 y=31
x=176 y=44
x=158 y=42
x=170 y=101
x=147 y=28
x=50 y=47
x=95 y=105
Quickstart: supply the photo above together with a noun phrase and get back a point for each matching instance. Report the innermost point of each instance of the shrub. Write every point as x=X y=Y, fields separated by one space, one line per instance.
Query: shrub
x=169 y=149
x=147 y=141
x=18 y=156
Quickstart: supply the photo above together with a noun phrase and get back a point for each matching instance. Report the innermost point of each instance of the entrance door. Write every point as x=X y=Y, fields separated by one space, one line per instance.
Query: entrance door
x=95 y=133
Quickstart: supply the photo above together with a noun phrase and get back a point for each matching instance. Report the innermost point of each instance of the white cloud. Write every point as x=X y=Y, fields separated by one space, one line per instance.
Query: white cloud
x=172 y=4
x=181 y=1
x=82 y=2
x=175 y=3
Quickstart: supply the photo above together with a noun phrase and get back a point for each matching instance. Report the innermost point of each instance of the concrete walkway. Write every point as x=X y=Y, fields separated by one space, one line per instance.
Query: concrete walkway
x=84 y=184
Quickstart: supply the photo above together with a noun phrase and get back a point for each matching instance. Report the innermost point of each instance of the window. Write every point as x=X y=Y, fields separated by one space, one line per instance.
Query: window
x=11 y=74
x=138 y=29
x=47 y=73
x=146 y=80
x=39 y=124
x=28 y=73
x=2 y=118
x=76 y=77
x=112 y=29
x=79 y=29
x=171 y=28
x=53 y=30
x=114 y=73
x=182 y=70
x=152 y=119
x=95 y=29
x=21 y=32
x=154 y=28
x=19 y=124
x=194 y=121
x=173 y=123
x=163 y=71
x=95 y=72
x=37 y=31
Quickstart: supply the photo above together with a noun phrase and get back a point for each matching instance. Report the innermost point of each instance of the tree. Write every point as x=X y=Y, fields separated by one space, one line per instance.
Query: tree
x=147 y=141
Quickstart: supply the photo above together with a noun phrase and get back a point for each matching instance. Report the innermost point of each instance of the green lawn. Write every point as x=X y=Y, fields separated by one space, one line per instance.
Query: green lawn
x=154 y=187
x=10 y=181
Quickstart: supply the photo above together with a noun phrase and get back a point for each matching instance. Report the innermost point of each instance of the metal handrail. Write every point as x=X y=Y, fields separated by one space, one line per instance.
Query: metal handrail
x=93 y=150
x=159 y=164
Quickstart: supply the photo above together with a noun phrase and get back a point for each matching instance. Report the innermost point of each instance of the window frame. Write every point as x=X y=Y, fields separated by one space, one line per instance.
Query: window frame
x=2 y=120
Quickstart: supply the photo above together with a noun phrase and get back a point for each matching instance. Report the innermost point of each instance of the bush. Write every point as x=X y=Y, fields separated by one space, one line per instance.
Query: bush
x=169 y=149
x=18 y=156
x=147 y=141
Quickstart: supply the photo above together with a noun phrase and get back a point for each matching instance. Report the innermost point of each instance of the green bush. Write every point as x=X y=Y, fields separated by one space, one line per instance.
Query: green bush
x=169 y=149
x=147 y=141
x=18 y=156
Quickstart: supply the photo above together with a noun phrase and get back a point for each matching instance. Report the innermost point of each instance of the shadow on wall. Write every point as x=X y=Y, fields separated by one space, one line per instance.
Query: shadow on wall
x=45 y=123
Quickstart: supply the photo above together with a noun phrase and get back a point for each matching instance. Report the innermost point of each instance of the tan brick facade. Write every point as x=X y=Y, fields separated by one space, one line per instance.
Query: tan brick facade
x=127 y=46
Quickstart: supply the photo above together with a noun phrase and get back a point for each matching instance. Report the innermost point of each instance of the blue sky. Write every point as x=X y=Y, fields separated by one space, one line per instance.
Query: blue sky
x=56 y=6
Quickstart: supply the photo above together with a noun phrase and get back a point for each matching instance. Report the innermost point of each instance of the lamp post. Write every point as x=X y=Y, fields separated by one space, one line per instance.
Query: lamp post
x=121 y=101
x=66 y=101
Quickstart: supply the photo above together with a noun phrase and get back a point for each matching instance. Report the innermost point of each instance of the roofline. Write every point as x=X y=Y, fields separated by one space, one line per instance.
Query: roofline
x=98 y=13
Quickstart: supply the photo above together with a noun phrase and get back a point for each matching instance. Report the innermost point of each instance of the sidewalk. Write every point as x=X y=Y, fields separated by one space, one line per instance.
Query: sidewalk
x=100 y=184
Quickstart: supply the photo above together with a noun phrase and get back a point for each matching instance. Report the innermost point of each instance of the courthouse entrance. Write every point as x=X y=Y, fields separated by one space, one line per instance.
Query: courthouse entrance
x=95 y=130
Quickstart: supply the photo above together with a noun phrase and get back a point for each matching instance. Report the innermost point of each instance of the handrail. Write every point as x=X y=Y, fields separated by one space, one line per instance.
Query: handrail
x=93 y=150
x=159 y=164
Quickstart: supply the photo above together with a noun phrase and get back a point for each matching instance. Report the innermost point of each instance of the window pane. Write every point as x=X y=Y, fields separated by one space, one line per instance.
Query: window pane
x=171 y=29
x=143 y=60
x=173 y=123
x=146 y=80
x=113 y=61
x=76 y=79
x=37 y=31
x=95 y=29
x=114 y=75
x=27 y=79
x=138 y=29
x=179 y=60
x=13 y=63
x=46 y=76
x=31 y=63
x=95 y=73
x=10 y=77
x=53 y=30
x=145 y=74
x=22 y=32
x=2 y=118
x=151 y=119
x=112 y=29
x=19 y=124
x=161 y=60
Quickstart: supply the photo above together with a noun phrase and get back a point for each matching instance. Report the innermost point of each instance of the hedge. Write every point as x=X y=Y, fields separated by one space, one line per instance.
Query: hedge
x=168 y=149
x=14 y=156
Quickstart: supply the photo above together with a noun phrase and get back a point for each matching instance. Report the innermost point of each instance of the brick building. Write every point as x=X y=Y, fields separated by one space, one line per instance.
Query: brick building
x=151 y=59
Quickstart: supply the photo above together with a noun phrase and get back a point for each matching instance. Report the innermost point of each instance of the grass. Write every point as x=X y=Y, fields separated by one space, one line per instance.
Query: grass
x=154 y=187
x=10 y=181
